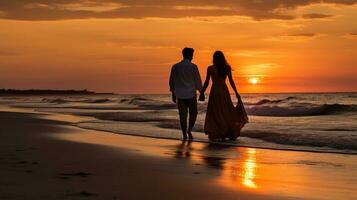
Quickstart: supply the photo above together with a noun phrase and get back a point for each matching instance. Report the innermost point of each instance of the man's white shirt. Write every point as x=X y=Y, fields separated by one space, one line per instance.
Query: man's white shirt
x=185 y=79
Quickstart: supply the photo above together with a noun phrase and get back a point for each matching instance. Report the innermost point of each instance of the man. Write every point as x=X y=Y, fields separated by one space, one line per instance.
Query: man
x=185 y=79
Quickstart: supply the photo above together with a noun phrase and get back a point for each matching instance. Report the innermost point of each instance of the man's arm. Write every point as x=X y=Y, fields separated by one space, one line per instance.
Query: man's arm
x=198 y=81
x=172 y=80
x=172 y=84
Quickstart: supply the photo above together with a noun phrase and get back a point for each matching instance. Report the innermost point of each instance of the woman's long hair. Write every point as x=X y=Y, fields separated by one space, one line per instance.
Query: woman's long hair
x=219 y=60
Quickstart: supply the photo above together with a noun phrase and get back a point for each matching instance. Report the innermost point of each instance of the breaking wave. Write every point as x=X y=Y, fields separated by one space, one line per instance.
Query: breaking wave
x=157 y=115
x=348 y=142
x=64 y=100
x=301 y=110
x=268 y=101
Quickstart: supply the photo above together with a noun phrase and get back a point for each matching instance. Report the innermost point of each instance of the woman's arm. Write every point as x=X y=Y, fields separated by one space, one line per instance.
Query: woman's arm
x=233 y=85
x=205 y=85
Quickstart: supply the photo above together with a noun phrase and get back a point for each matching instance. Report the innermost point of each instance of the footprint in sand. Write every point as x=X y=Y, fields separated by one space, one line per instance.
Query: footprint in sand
x=83 y=194
x=25 y=148
x=69 y=175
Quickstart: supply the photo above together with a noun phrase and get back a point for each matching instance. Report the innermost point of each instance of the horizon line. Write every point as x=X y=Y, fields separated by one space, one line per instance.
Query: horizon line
x=165 y=93
x=330 y=92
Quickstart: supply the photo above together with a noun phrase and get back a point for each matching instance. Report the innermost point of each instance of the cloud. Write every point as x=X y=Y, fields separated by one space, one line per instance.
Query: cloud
x=8 y=53
x=256 y=54
x=202 y=8
x=82 y=9
x=302 y=35
x=95 y=7
x=257 y=70
x=351 y=36
x=316 y=16
x=295 y=37
x=264 y=65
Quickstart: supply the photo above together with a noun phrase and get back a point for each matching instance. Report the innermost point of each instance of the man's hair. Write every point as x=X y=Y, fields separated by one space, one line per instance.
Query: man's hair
x=187 y=52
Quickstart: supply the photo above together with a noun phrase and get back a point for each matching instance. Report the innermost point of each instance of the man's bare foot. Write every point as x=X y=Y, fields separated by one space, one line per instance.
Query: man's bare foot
x=184 y=137
x=190 y=137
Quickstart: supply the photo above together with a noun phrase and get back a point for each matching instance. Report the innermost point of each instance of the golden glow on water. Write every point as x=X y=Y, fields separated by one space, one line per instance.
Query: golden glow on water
x=249 y=170
x=281 y=173
x=241 y=172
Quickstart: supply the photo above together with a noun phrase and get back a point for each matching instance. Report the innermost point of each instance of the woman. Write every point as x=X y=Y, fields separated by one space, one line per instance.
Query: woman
x=223 y=120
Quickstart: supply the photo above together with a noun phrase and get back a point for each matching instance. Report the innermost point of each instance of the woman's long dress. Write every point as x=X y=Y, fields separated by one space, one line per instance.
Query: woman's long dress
x=223 y=119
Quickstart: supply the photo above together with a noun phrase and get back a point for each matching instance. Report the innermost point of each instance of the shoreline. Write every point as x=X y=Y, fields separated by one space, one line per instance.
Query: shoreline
x=46 y=164
x=303 y=129
x=228 y=143
x=74 y=162
x=82 y=118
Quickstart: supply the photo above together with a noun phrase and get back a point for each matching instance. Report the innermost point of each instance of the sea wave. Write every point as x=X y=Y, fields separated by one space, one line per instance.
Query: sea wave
x=301 y=110
x=297 y=141
x=151 y=116
x=336 y=141
x=343 y=142
x=64 y=100
x=268 y=101
x=148 y=103
x=289 y=107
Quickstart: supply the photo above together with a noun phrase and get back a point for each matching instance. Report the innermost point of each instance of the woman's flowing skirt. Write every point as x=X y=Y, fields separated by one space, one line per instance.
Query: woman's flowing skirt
x=223 y=119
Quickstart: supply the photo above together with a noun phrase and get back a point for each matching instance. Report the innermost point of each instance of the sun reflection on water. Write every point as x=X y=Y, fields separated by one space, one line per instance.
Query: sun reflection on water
x=237 y=170
x=252 y=170
x=240 y=172
x=249 y=170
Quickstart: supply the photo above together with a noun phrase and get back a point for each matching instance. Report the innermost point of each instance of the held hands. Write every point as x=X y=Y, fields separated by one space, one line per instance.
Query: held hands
x=202 y=97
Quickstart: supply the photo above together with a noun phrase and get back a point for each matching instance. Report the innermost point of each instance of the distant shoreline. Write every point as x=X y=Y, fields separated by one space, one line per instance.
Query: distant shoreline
x=7 y=92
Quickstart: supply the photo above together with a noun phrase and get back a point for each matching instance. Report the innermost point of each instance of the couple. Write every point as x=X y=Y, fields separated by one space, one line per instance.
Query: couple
x=223 y=119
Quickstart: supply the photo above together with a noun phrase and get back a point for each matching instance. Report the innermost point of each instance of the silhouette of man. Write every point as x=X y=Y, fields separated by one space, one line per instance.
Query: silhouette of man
x=185 y=79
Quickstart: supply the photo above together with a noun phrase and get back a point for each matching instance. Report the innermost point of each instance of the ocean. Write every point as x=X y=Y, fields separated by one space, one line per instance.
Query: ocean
x=319 y=122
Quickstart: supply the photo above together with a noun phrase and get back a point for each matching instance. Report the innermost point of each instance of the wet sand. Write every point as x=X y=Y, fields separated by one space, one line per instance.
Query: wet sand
x=44 y=157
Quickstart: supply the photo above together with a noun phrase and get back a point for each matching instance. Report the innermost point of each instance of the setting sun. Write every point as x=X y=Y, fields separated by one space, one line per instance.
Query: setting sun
x=253 y=81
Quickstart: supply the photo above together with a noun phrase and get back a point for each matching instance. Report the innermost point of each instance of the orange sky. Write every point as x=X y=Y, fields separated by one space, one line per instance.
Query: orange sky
x=129 y=46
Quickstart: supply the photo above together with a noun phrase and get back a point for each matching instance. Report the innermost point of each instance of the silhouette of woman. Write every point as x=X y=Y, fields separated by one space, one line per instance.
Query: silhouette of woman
x=223 y=119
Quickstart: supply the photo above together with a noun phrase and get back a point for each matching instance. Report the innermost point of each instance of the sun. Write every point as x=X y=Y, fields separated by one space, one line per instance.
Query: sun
x=253 y=81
